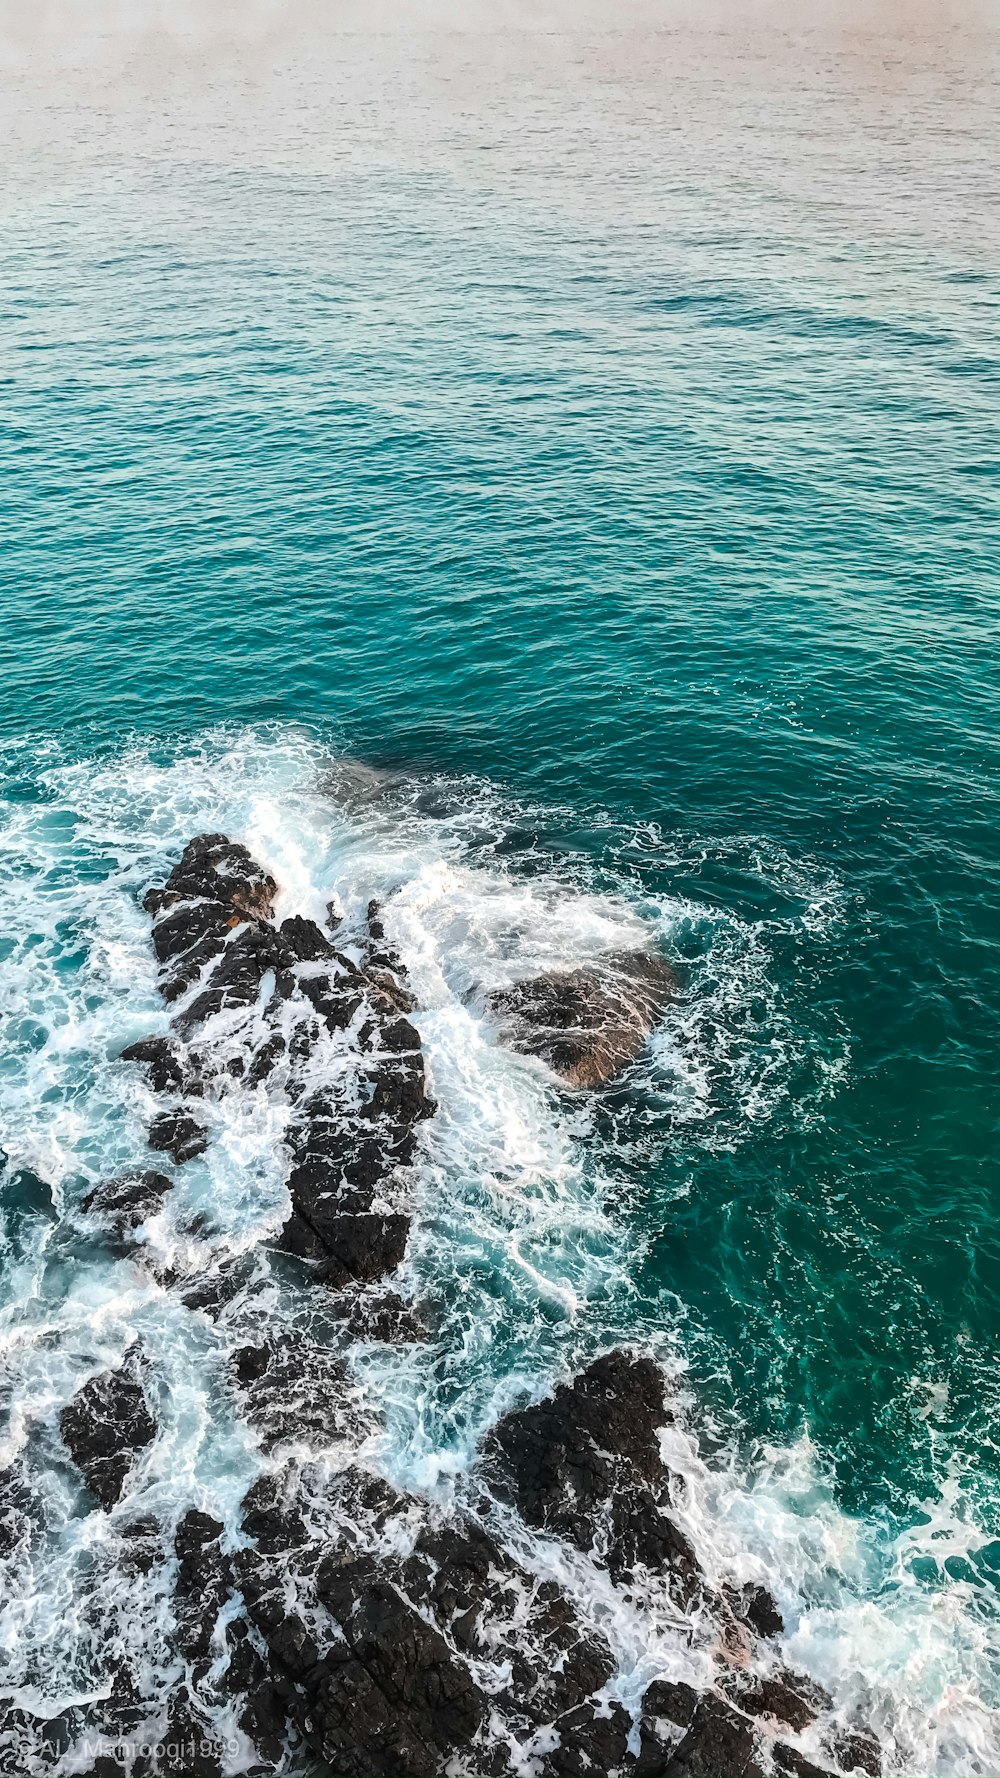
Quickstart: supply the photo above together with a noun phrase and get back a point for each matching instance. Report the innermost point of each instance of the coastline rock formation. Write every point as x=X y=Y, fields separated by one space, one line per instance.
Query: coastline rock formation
x=341 y=1622
x=589 y=1023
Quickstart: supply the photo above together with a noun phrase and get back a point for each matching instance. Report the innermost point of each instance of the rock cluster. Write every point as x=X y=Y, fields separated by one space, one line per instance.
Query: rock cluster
x=343 y=1625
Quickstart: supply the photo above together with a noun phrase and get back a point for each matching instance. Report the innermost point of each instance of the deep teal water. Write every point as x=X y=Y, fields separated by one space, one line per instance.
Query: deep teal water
x=618 y=425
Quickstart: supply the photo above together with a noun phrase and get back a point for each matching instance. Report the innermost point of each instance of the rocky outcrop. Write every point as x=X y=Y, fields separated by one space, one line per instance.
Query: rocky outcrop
x=587 y=1023
x=585 y=1464
x=105 y=1426
x=121 y=1205
x=179 y=1135
x=342 y=1625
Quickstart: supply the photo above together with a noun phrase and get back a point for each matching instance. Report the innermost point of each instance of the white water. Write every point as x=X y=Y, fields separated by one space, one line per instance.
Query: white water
x=522 y=1243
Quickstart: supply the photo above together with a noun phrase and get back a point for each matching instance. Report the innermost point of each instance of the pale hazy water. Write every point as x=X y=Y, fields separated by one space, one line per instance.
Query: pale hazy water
x=602 y=431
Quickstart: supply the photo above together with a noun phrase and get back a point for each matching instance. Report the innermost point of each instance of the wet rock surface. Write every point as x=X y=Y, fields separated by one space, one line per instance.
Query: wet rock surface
x=105 y=1426
x=589 y=1023
x=123 y=1204
x=586 y=1464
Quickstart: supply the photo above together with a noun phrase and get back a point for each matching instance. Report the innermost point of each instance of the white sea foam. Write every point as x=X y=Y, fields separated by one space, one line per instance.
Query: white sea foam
x=519 y=1240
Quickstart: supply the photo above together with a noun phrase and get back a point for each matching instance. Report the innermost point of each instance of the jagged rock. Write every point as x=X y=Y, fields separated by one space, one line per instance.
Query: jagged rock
x=306 y=940
x=585 y=1464
x=214 y=868
x=105 y=1425
x=392 y=1697
x=757 y=1607
x=857 y=1751
x=244 y=959
x=787 y=1697
x=361 y=1249
x=214 y=890
x=174 y=1133
x=168 y=1066
x=789 y=1759
x=142 y=1545
x=668 y=1708
x=383 y=1318
x=295 y=1391
x=203 y=1582
x=18 y=1506
x=588 y=1023
x=123 y=1204
x=718 y=1744
x=190 y=1747
x=457 y=1599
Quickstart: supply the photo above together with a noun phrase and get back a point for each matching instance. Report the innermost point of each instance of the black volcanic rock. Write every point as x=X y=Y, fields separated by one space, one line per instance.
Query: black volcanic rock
x=167 y=1063
x=789 y=1759
x=177 y=1134
x=124 y=1203
x=718 y=1744
x=857 y=1751
x=787 y=1697
x=295 y=1390
x=213 y=868
x=585 y=1464
x=105 y=1426
x=306 y=941
x=203 y=1582
x=215 y=889
x=587 y=1023
x=374 y=1654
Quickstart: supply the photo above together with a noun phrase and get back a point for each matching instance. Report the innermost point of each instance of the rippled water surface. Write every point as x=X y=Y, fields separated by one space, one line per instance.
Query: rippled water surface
x=599 y=433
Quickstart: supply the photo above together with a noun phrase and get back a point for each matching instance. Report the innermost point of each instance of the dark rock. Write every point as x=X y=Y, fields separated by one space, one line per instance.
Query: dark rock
x=788 y=1697
x=176 y=1134
x=125 y=1203
x=857 y=1751
x=719 y=1744
x=216 y=869
x=668 y=1709
x=382 y=1318
x=585 y=1464
x=305 y=940
x=235 y=983
x=142 y=1542
x=190 y=1746
x=18 y=1510
x=215 y=890
x=789 y=1759
x=360 y=1249
x=105 y=1425
x=295 y=1390
x=203 y=1582
x=590 y=1744
x=757 y=1607
x=392 y=1697
x=588 y=1023
x=168 y=1066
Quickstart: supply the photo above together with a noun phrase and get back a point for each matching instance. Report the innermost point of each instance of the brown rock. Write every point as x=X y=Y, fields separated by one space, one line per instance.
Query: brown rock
x=588 y=1023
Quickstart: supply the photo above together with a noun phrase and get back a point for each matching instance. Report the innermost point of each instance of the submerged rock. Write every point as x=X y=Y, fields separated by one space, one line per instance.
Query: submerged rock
x=587 y=1023
x=105 y=1426
x=585 y=1464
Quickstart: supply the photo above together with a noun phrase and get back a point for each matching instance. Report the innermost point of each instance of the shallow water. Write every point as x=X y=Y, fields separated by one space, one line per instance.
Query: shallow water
x=597 y=434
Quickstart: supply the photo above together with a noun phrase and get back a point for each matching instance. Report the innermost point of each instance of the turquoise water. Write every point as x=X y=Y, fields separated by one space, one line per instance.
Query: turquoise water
x=602 y=429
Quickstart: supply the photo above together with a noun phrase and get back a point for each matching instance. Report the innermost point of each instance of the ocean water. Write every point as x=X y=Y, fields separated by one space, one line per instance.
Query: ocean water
x=547 y=478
